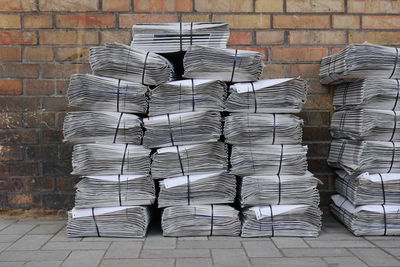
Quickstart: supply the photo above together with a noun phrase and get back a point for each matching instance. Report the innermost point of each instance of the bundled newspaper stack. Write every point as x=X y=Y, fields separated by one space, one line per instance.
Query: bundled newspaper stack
x=365 y=128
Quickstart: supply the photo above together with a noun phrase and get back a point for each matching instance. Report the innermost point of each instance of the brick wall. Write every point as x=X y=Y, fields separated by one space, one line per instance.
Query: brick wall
x=43 y=42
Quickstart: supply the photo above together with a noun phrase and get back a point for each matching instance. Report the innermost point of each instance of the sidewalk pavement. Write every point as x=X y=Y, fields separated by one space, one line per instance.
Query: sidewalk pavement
x=44 y=243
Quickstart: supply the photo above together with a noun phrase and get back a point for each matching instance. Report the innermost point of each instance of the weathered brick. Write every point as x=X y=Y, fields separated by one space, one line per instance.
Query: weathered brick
x=42 y=152
x=116 y=5
x=373 y=6
x=65 y=151
x=18 y=5
x=240 y=38
x=319 y=102
x=128 y=20
x=304 y=70
x=38 y=54
x=66 y=183
x=52 y=137
x=40 y=184
x=10 y=21
x=19 y=71
x=54 y=103
x=163 y=6
x=316 y=118
x=315 y=87
x=375 y=37
x=315 y=6
x=258 y=21
x=10 y=54
x=346 y=21
x=318 y=166
x=195 y=17
x=11 y=185
x=62 y=87
x=63 y=70
x=58 y=200
x=39 y=87
x=66 y=37
x=38 y=21
x=60 y=119
x=18 y=103
x=319 y=150
x=269 y=5
x=62 y=168
x=298 y=53
x=10 y=120
x=19 y=169
x=17 y=38
x=68 y=5
x=336 y=50
x=121 y=36
x=20 y=136
x=317 y=37
x=316 y=134
x=72 y=54
x=270 y=37
x=20 y=200
x=381 y=22
x=11 y=153
x=86 y=21
x=274 y=71
x=224 y=5
x=10 y=87
x=301 y=21
x=39 y=120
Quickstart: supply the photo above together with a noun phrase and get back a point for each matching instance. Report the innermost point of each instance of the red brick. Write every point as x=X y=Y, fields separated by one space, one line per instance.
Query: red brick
x=66 y=37
x=301 y=21
x=298 y=53
x=319 y=102
x=274 y=71
x=269 y=5
x=346 y=21
x=68 y=5
x=54 y=103
x=116 y=5
x=38 y=54
x=10 y=120
x=20 y=136
x=62 y=87
x=39 y=120
x=61 y=168
x=57 y=200
x=65 y=151
x=19 y=169
x=72 y=54
x=257 y=21
x=10 y=21
x=315 y=87
x=10 y=54
x=373 y=6
x=86 y=21
x=128 y=20
x=381 y=22
x=11 y=153
x=19 y=71
x=375 y=37
x=17 y=103
x=224 y=5
x=315 y=6
x=195 y=17
x=270 y=37
x=121 y=36
x=240 y=38
x=317 y=37
x=17 y=5
x=11 y=185
x=10 y=87
x=67 y=183
x=163 y=5
x=63 y=70
x=20 y=200
x=17 y=38
x=303 y=70
x=336 y=50
x=42 y=152
x=39 y=87
x=52 y=137
x=38 y=21
x=40 y=184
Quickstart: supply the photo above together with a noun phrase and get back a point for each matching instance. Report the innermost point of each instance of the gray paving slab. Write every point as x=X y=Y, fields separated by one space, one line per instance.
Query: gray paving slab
x=209 y=244
x=340 y=243
x=278 y=262
x=30 y=242
x=194 y=262
x=289 y=242
x=335 y=236
x=393 y=251
x=9 y=238
x=12 y=263
x=5 y=223
x=3 y=246
x=43 y=263
x=192 y=238
x=84 y=258
x=61 y=236
x=315 y=252
x=230 y=257
x=138 y=262
x=43 y=229
x=386 y=243
x=39 y=255
x=344 y=262
x=76 y=245
x=175 y=253
x=159 y=243
x=261 y=249
x=124 y=250
x=375 y=257
x=17 y=228
x=111 y=239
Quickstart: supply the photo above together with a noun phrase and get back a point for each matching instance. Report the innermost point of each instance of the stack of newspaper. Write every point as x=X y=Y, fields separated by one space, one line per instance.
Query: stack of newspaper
x=173 y=37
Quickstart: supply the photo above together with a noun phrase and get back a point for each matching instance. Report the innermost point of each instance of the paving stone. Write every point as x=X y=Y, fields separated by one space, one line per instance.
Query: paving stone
x=393 y=251
x=192 y=238
x=315 y=252
x=375 y=257
x=381 y=237
x=30 y=242
x=43 y=263
x=224 y=238
x=174 y=253
x=124 y=250
x=306 y=262
x=17 y=228
x=76 y=245
x=9 y=238
x=61 y=236
x=387 y=243
x=11 y=263
x=289 y=242
x=111 y=239
x=160 y=243
x=39 y=255
x=340 y=243
x=201 y=262
x=335 y=236
x=3 y=246
x=230 y=257
x=5 y=223
x=344 y=262
x=209 y=244
x=261 y=249
x=84 y=258
x=138 y=263
x=46 y=229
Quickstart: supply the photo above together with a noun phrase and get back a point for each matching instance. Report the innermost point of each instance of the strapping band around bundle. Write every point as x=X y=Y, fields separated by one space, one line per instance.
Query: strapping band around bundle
x=123 y=159
x=341 y=151
x=342 y=120
x=180 y=35
x=191 y=32
x=383 y=189
x=346 y=89
x=347 y=184
x=272 y=222
x=118 y=88
x=255 y=98
x=395 y=63
x=393 y=155
x=234 y=66
x=144 y=66
x=95 y=223
x=212 y=220
x=384 y=219
x=274 y=129
x=192 y=95
x=279 y=188
x=180 y=161
x=188 y=189
x=394 y=126
x=119 y=189
x=340 y=207
x=397 y=96
x=170 y=130
x=116 y=130
x=280 y=161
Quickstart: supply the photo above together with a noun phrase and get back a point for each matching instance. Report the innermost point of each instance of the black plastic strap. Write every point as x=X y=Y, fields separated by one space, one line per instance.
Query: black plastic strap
x=340 y=207
x=347 y=184
x=170 y=130
x=341 y=151
x=346 y=89
x=123 y=159
x=118 y=88
x=280 y=161
x=342 y=121
x=255 y=98
x=395 y=63
x=144 y=66
x=234 y=66
x=272 y=222
x=274 y=130
x=180 y=35
x=192 y=95
x=397 y=96
x=188 y=189
x=383 y=189
x=180 y=161
x=119 y=189
x=212 y=220
x=95 y=223
x=191 y=32
x=384 y=219
x=393 y=154
x=395 y=125
x=116 y=130
x=279 y=192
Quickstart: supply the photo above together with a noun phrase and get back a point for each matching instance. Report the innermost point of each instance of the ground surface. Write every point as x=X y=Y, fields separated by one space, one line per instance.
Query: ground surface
x=44 y=243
